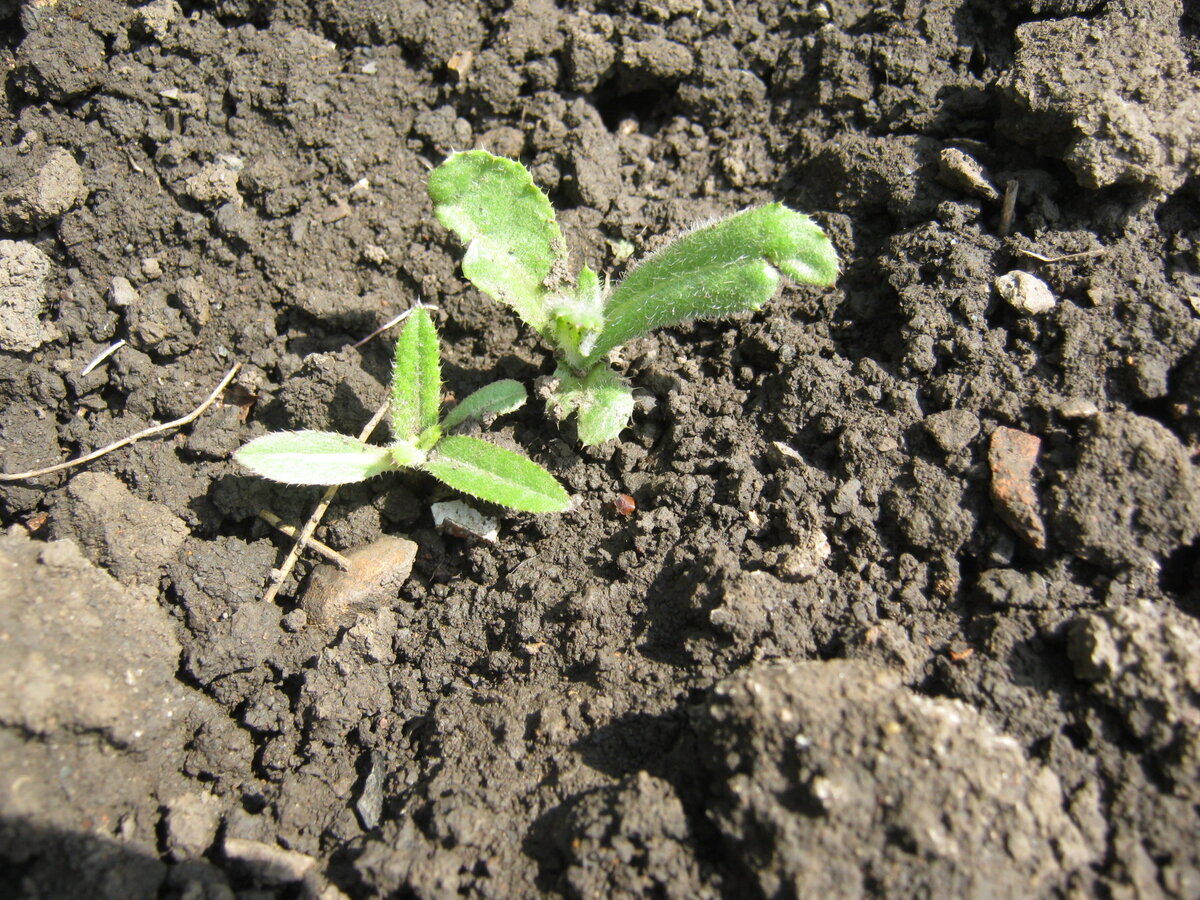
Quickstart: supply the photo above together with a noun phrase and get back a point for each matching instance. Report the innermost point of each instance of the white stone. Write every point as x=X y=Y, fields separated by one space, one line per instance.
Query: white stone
x=457 y=518
x=1025 y=292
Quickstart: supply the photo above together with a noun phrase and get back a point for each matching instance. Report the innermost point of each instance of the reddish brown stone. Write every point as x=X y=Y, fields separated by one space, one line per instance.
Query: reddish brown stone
x=1012 y=455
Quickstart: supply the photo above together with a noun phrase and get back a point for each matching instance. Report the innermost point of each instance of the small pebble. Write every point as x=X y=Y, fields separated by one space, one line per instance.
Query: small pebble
x=460 y=520
x=122 y=293
x=1025 y=292
x=1077 y=408
x=963 y=172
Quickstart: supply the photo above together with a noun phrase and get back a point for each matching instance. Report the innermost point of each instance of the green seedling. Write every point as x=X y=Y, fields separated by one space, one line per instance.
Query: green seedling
x=421 y=438
x=516 y=254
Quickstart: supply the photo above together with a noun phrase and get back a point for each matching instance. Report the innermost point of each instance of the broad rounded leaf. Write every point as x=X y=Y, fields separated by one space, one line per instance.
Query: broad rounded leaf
x=497 y=475
x=313 y=457
x=514 y=245
x=717 y=270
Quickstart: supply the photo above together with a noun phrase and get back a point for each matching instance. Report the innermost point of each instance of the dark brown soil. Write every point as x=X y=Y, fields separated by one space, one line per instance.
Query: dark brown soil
x=909 y=603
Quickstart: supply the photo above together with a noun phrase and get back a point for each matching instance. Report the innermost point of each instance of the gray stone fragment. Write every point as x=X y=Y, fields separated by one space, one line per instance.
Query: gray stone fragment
x=23 y=273
x=369 y=803
x=1025 y=292
x=122 y=294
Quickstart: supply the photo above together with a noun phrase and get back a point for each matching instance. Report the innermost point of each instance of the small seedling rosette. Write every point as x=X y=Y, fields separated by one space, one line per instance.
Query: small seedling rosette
x=516 y=255
x=422 y=438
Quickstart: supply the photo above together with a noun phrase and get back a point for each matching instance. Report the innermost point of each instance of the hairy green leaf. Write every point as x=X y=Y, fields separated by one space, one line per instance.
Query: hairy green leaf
x=416 y=377
x=495 y=399
x=407 y=455
x=514 y=246
x=313 y=457
x=717 y=270
x=602 y=399
x=577 y=318
x=497 y=475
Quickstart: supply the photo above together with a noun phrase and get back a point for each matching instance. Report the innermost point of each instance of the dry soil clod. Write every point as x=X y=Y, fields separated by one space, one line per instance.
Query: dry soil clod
x=377 y=570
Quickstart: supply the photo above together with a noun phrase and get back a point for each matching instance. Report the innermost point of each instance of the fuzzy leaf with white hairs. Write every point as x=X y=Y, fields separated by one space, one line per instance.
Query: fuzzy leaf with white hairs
x=416 y=377
x=602 y=400
x=497 y=475
x=715 y=271
x=313 y=457
x=514 y=245
x=495 y=399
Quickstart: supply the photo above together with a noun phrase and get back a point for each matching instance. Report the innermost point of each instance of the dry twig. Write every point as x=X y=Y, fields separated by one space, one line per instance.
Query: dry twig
x=395 y=320
x=1008 y=207
x=133 y=438
x=1066 y=257
x=328 y=552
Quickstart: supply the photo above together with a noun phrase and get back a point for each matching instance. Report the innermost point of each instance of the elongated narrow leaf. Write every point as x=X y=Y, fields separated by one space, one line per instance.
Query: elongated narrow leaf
x=495 y=399
x=717 y=270
x=416 y=377
x=513 y=241
x=313 y=457
x=602 y=400
x=497 y=475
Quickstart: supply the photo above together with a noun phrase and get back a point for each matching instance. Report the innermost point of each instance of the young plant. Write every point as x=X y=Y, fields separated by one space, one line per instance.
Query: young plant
x=516 y=254
x=421 y=438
